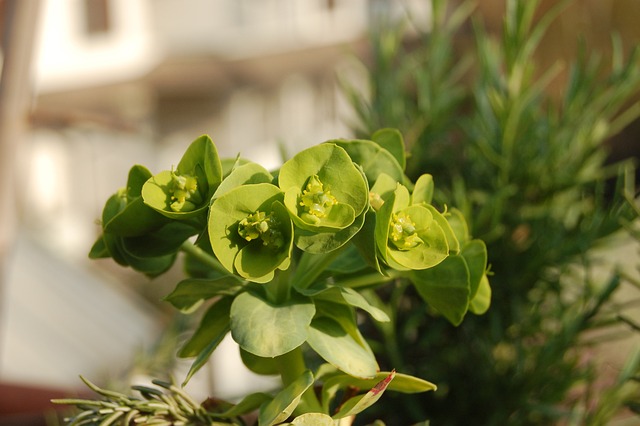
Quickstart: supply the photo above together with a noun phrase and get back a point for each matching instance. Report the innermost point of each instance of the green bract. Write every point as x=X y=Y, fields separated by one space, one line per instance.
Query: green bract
x=324 y=190
x=135 y=218
x=372 y=158
x=409 y=236
x=326 y=195
x=185 y=192
x=244 y=173
x=134 y=234
x=250 y=231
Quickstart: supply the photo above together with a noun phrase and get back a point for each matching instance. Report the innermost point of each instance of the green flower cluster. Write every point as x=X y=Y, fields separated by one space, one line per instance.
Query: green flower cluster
x=284 y=256
x=145 y=224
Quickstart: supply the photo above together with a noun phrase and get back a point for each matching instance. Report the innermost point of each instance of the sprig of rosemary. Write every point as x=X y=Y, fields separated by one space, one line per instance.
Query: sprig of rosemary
x=164 y=405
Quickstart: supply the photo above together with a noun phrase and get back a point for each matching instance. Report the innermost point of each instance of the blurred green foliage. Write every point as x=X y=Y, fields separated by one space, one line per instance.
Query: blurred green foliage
x=530 y=172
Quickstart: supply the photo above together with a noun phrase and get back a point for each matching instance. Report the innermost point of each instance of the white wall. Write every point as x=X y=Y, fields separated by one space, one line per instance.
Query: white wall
x=69 y=58
x=234 y=29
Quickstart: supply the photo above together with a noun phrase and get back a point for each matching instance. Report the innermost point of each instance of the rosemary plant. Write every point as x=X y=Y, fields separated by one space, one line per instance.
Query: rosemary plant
x=531 y=174
x=164 y=405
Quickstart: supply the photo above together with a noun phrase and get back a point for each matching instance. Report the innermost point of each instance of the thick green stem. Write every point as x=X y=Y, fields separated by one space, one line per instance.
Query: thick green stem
x=390 y=329
x=279 y=288
x=291 y=366
x=311 y=266
x=205 y=258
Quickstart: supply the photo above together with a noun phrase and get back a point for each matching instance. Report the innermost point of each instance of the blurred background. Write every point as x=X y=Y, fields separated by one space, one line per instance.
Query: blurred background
x=91 y=87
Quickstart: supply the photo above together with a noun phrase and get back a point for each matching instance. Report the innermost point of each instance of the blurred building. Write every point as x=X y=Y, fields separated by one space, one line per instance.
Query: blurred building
x=120 y=82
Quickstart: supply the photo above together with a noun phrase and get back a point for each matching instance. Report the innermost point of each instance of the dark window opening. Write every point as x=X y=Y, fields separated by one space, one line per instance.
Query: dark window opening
x=97 y=16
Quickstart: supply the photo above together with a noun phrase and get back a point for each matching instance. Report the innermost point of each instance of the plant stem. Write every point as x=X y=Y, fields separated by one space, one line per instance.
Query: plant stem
x=279 y=288
x=388 y=330
x=311 y=266
x=206 y=259
x=291 y=366
x=367 y=280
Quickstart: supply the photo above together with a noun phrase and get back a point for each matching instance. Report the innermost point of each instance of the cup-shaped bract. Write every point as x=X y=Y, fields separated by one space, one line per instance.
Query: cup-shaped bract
x=184 y=192
x=251 y=232
x=127 y=221
x=374 y=159
x=245 y=173
x=408 y=236
x=134 y=218
x=324 y=190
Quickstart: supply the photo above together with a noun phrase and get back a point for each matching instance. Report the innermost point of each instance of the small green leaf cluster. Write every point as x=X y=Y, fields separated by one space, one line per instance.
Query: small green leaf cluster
x=281 y=258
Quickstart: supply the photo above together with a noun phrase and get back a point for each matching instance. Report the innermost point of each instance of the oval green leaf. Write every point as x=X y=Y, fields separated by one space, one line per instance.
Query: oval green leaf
x=423 y=190
x=136 y=218
x=338 y=347
x=459 y=225
x=445 y=287
x=313 y=419
x=163 y=241
x=203 y=153
x=258 y=364
x=482 y=301
x=345 y=295
x=269 y=330
x=244 y=174
x=475 y=254
x=374 y=159
x=392 y=141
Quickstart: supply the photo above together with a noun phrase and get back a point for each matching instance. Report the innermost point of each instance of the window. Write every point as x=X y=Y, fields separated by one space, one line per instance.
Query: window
x=97 y=17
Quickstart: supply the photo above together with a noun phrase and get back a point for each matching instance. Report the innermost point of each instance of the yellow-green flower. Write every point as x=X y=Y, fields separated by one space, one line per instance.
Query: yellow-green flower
x=184 y=192
x=408 y=236
x=251 y=232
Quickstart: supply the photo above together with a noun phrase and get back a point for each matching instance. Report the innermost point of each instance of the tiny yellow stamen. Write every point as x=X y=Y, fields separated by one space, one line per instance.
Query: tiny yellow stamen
x=402 y=232
x=259 y=225
x=184 y=193
x=315 y=200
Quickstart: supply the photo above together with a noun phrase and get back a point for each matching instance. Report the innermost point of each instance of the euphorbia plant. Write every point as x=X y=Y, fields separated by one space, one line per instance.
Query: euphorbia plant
x=280 y=259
